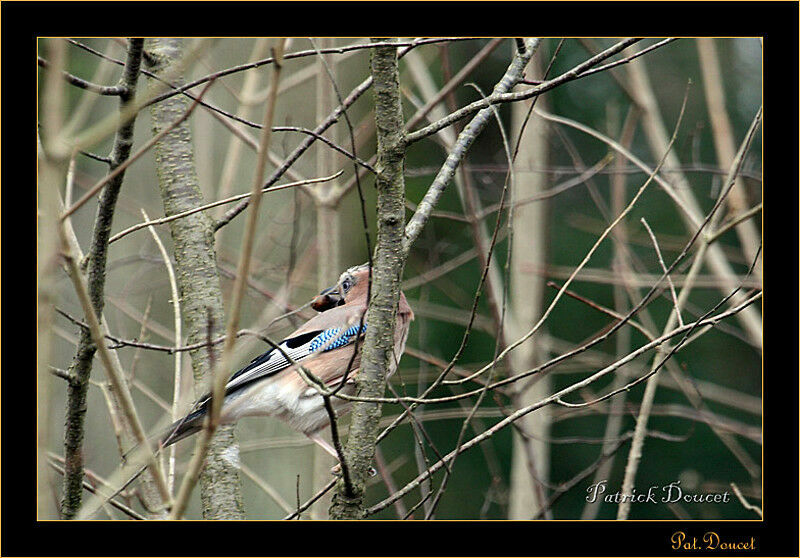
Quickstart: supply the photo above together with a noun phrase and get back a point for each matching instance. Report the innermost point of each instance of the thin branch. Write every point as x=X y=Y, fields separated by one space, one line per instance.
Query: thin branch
x=354 y=95
x=552 y=398
x=300 y=149
x=327 y=142
x=687 y=338
x=635 y=454
x=453 y=82
x=95 y=284
x=753 y=211
x=492 y=285
x=445 y=90
x=747 y=505
x=324 y=218
x=108 y=90
x=505 y=96
x=129 y=161
x=653 y=344
x=608 y=311
x=169 y=349
x=383 y=291
x=565 y=487
x=217 y=203
x=100 y=158
x=676 y=308
x=627 y=59
x=589 y=254
x=465 y=139
x=91 y=488
x=666 y=186
x=176 y=310
x=268 y=489
x=300 y=509
x=290 y=56
x=115 y=376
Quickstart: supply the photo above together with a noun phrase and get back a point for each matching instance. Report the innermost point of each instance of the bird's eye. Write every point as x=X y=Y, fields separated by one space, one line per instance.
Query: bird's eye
x=346 y=284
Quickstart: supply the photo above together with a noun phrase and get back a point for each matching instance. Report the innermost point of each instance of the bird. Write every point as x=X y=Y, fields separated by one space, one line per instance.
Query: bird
x=271 y=385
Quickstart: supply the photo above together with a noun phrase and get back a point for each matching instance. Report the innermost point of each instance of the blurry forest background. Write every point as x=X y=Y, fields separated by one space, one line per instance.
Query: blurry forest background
x=566 y=183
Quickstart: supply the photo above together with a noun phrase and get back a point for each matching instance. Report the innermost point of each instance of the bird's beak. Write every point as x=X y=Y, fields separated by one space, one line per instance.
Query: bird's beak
x=327 y=299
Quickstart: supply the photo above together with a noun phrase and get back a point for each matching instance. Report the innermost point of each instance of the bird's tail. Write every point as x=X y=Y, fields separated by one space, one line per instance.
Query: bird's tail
x=178 y=430
x=183 y=428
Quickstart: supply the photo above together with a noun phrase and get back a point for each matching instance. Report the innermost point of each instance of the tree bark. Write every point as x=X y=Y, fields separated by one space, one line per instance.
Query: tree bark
x=530 y=457
x=196 y=269
x=389 y=260
x=81 y=366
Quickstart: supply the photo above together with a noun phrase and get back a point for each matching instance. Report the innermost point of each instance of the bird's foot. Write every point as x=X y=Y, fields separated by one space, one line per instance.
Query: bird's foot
x=336 y=471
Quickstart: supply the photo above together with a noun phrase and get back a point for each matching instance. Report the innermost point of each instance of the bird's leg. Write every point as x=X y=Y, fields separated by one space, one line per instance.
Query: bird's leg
x=319 y=440
x=336 y=469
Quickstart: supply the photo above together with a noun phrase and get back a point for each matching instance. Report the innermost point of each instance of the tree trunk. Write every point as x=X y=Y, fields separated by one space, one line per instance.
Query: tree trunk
x=196 y=269
x=378 y=351
x=530 y=457
x=81 y=366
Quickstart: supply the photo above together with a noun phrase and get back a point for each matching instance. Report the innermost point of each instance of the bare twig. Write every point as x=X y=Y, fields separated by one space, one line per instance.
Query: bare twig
x=115 y=376
x=289 y=56
x=109 y=90
x=506 y=97
x=747 y=505
x=351 y=98
x=93 y=489
x=95 y=283
x=558 y=395
x=453 y=82
x=664 y=268
x=465 y=139
x=177 y=377
x=734 y=222
x=635 y=453
x=217 y=203
x=129 y=161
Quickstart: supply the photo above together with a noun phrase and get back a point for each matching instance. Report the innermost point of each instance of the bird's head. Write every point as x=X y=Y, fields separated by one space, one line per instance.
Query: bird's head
x=351 y=287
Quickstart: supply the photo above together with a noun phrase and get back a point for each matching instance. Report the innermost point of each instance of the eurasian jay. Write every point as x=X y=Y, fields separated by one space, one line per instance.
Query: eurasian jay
x=271 y=385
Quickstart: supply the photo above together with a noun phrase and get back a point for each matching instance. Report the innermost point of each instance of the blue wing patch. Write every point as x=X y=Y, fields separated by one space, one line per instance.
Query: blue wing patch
x=296 y=348
x=332 y=339
x=273 y=361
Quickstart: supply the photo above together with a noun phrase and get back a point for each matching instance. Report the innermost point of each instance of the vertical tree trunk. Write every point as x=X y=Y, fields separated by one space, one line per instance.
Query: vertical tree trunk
x=196 y=269
x=388 y=263
x=81 y=366
x=530 y=457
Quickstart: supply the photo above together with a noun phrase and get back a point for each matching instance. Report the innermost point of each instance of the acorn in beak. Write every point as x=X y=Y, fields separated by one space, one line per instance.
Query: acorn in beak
x=327 y=299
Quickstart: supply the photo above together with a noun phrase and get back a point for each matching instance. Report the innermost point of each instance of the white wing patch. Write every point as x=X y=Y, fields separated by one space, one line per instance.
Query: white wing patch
x=331 y=338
